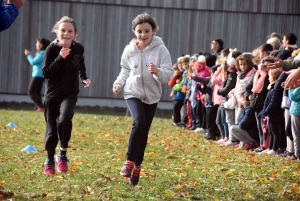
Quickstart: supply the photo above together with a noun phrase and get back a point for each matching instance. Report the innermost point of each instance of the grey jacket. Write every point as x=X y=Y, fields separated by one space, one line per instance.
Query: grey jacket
x=135 y=78
x=290 y=65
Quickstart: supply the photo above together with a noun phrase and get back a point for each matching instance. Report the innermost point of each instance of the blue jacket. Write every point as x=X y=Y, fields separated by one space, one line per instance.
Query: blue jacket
x=8 y=14
x=37 y=63
x=294 y=95
x=248 y=123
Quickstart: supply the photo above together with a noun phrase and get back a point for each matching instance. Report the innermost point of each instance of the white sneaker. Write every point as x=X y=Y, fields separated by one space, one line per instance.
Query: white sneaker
x=197 y=130
x=229 y=143
x=264 y=151
x=271 y=153
x=202 y=130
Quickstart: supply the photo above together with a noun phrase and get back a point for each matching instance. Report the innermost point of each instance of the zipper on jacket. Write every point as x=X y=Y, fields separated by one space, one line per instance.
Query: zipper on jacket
x=143 y=74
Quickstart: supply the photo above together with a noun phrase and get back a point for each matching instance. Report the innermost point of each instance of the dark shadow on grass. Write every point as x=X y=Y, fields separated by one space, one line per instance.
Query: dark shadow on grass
x=116 y=111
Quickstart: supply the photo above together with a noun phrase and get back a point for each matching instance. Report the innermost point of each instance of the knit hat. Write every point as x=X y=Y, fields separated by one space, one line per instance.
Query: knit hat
x=200 y=63
x=268 y=58
x=220 y=42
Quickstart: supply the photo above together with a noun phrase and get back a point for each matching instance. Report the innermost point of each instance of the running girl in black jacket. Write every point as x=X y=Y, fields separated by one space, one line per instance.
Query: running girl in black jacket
x=63 y=64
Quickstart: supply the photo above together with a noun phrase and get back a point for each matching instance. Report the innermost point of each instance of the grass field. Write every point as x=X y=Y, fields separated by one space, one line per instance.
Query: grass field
x=178 y=165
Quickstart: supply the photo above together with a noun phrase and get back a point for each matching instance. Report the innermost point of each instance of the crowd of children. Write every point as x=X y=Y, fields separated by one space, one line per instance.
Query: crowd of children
x=248 y=100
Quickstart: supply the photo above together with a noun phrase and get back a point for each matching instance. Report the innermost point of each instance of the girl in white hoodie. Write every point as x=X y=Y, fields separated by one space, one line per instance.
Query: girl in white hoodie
x=145 y=64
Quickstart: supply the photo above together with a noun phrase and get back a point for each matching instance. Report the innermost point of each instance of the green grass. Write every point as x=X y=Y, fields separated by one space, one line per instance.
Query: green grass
x=178 y=165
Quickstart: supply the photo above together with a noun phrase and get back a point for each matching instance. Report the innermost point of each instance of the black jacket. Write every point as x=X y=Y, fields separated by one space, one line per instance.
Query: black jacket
x=228 y=85
x=62 y=74
x=257 y=101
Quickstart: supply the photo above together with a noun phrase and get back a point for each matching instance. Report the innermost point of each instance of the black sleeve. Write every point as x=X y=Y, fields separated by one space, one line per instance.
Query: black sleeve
x=204 y=80
x=82 y=69
x=52 y=61
x=248 y=89
x=230 y=84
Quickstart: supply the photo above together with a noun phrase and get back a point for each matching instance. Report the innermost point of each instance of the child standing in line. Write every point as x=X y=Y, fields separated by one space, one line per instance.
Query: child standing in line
x=141 y=82
x=294 y=95
x=256 y=92
x=37 y=79
x=289 y=42
x=178 y=96
x=244 y=65
x=192 y=99
x=272 y=109
x=202 y=71
x=63 y=64
x=187 y=87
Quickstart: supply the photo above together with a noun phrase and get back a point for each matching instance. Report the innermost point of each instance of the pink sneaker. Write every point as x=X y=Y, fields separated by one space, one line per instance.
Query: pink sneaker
x=62 y=163
x=127 y=168
x=135 y=176
x=220 y=141
x=224 y=141
x=49 y=169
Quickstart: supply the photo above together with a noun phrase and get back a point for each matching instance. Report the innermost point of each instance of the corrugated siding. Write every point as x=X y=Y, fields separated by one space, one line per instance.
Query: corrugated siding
x=104 y=28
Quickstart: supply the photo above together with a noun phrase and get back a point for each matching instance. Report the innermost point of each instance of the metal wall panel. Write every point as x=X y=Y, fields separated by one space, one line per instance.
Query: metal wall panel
x=104 y=28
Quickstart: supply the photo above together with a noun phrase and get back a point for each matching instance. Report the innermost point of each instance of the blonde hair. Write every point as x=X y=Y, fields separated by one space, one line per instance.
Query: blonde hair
x=64 y=19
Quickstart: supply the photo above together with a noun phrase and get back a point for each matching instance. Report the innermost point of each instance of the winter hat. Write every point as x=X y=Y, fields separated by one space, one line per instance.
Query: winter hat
x=268 y=58
x=200 y=63
x=231 y=61
x=220 y=42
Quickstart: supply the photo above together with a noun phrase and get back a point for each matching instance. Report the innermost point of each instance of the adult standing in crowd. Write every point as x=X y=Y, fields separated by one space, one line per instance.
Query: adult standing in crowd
x=9 y=12
x=217 y=46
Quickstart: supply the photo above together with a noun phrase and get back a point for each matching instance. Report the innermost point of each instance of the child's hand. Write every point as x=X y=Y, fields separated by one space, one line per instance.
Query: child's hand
x=64 y=52
x=87 y=83
x=116 y=89
x=27 y=52
x=177 y=81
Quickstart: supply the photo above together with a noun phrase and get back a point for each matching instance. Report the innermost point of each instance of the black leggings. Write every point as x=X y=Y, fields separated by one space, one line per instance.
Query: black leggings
x=142 y=115
x=58 y=116
x=34 y=90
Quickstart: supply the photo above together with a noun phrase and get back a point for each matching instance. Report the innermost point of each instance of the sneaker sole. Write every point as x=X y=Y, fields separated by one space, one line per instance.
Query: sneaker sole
x=125 y=175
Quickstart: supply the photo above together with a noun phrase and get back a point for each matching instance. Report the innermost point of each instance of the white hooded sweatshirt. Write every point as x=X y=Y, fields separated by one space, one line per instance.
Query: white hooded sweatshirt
x=135 y=78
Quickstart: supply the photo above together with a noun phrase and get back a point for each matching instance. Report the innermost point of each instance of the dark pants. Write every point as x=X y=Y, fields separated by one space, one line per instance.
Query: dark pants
x=142 y=115
x=58 y=116
x=259 y=122
x=211 y=114
x=34 y=90
x=177 y=105
x=277 y=135
x=201 y=113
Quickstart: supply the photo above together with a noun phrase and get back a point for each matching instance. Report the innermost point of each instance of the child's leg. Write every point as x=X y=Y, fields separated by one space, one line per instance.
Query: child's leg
x=51 y=136
x=259 y=127
x=225 y=125
x=238 y=113
x=296 y=134
x=189 y=114
x=230 y=120
x=177 y=104
x=64 y=122
x=219 y=123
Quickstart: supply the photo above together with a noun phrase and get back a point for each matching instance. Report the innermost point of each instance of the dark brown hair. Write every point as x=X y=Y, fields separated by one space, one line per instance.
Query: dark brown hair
x=144 y=18
x=246 y=58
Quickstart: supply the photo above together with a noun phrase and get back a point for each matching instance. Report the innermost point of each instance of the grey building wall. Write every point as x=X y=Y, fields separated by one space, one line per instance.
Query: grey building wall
x=104 y=28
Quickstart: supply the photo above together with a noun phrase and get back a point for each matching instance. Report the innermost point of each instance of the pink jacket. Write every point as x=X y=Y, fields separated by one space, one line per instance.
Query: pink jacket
x=203 y=73
x=216 y=80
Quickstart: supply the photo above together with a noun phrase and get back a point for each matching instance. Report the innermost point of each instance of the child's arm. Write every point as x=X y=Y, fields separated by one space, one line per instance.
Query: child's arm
x=52 y=62
x=172 y=82
x=37 y=59
x=125 y=71
x=230 y=84
x=178 y=87
x=165 y=66
x=294 y=94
